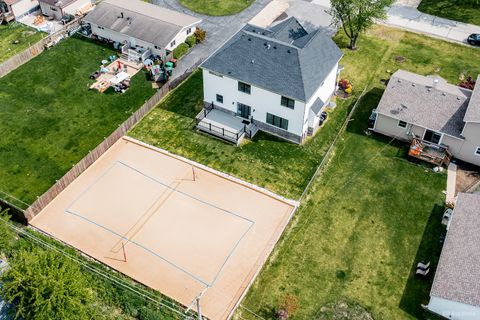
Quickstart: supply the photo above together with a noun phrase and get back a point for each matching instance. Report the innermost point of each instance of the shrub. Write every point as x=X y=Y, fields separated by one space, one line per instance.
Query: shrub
x=200 y=35
x=191 y=41
x=468 y=83
x=7 y=235
x=180 y=51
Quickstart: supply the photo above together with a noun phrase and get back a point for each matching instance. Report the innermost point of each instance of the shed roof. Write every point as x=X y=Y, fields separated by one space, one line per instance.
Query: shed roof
x=473 y=111
x=458 y=273
x=429 y=102
x=283 y=59
x=141 y=20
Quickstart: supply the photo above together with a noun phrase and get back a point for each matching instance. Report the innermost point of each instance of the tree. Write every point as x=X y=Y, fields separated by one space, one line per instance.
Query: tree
x=356 y=16
x=7 y=235
x=44 y=285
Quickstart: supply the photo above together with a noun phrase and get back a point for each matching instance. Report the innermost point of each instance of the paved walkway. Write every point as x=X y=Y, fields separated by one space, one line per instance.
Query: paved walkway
x=404 y=14
x=219 y=29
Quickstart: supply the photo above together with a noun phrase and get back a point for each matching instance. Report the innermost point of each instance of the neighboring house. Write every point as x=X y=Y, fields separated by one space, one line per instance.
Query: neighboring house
x=440 y=115
x=141 y=25
x=278 y=80
x=59 y=8
x=16 y=9
x=455 y=292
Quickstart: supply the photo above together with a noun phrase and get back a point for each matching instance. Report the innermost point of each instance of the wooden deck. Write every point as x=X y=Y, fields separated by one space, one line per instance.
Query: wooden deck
x=426 y=151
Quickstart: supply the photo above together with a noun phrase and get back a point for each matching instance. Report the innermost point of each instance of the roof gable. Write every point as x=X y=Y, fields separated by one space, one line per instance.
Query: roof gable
x=256 y=56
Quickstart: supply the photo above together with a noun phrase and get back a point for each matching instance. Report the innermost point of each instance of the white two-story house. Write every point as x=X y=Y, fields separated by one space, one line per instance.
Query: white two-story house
x=278 y=80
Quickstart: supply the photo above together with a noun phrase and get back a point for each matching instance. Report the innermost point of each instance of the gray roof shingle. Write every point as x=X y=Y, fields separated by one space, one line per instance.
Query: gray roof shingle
x=141 y=20
x=458 y=273
x=255 y=56
x=418 y=100
x=473 y=111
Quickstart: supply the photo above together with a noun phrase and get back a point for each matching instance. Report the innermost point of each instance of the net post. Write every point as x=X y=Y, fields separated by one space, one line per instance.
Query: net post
x=199 y=310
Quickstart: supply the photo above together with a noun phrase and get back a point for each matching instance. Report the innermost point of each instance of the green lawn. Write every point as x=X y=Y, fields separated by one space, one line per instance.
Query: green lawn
x=216 y=7
x=266 y=161
x=10 y=33
x=460 y=10
x=371 y=214
x=50 y=120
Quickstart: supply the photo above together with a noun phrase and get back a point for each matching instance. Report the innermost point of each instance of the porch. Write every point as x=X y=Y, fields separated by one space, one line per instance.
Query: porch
x=436 y=154
x=224 y=125
x=135 y=54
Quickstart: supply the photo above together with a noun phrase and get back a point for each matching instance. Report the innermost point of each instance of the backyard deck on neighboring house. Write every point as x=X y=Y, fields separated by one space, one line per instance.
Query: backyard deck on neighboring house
x=224 y=125
x=430 y=152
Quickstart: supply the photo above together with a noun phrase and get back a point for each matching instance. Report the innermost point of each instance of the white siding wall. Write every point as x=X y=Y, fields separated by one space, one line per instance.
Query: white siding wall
x=181 y=37
x=22 y=8
x=51 y=11
x=119 y=37
x=324 y=92
x=453 y=310
x=463 y=149
x=261 y=101
x=75 y=6
x=472 y=142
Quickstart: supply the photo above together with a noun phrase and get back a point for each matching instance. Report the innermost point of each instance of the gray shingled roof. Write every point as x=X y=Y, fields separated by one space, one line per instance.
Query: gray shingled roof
x=458 y=273
x=255 y=56
x=317 y=105
x=473 y=111
x=288 y=30
x=416 y=99
x=141 y=20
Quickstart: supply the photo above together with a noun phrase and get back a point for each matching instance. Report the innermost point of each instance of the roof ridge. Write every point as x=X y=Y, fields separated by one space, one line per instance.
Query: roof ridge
x=267 y=38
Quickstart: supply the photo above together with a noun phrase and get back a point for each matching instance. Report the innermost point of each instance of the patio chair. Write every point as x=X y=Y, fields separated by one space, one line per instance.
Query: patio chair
x=421 y=272
x=423 y=266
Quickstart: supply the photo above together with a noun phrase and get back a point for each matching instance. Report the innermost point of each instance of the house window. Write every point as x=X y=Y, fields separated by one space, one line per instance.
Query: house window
x=243 y=87
x=172 y=43
x=287 y=102
x=402 y=124
x=477 y=152
x=189 y=30
x=219 y=98
x=277 y=121
x=432 y=136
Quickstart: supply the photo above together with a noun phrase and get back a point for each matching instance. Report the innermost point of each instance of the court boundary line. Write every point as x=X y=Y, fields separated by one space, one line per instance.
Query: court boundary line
x=167 y=187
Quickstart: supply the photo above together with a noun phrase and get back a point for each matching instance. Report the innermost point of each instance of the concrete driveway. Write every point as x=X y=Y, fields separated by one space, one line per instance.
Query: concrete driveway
x=219 y=30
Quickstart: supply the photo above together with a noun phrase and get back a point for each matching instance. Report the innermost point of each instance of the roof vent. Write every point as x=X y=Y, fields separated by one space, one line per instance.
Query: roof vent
x=249 y=39
x=274 y=47
x=413 y=84
x=444 y=94
x=435 y=82
x=253 y=61
x=429 y=89
x=268 y=46
x=253 y=30
x=121 y=15
x=289 y=51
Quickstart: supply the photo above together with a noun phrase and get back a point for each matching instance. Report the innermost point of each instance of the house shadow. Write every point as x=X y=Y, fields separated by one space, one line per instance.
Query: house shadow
x=368 y=102
x=417 y=289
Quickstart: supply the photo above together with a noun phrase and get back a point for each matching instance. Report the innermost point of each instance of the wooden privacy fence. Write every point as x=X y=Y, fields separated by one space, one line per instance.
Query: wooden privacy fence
x=93 y=155
x=21 y=58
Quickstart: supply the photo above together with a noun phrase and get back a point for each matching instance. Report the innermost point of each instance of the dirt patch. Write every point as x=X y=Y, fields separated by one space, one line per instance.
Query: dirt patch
x=468 y=176
x=385 y=33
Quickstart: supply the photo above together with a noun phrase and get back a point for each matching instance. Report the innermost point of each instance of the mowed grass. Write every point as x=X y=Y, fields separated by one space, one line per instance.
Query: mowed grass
x=371 y=214
x=459 y=10
x=267 y=161
x=50 y=120
x=9 y=33
x=216 y=7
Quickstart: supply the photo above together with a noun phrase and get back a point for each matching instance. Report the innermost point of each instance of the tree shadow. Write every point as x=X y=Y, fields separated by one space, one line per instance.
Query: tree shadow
x=417 y=289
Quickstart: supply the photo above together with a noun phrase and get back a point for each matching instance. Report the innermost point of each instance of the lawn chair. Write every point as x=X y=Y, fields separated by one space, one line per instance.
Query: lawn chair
x=421 y=272
x=423 y=266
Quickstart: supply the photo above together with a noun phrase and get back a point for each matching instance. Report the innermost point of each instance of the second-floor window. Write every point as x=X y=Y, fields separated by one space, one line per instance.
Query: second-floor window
x=402 y=124
x=287 y=102
x=219 y=98
x=243 y=87
x=173 y=43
